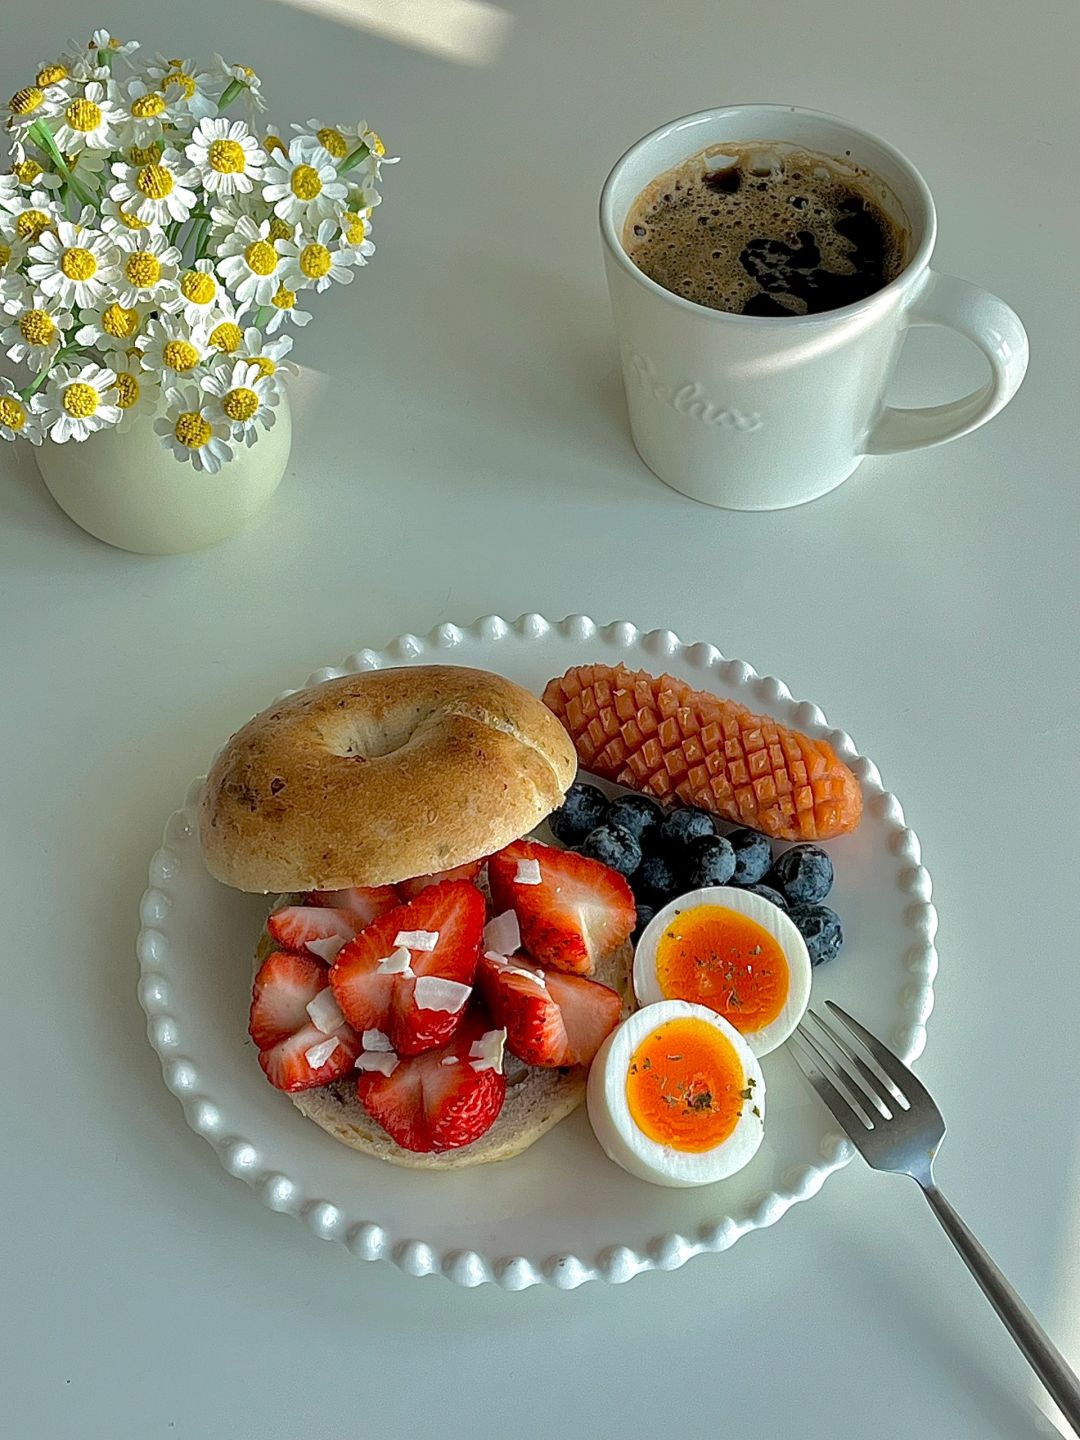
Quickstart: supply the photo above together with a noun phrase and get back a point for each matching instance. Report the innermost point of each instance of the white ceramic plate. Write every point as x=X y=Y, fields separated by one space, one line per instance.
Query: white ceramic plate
x=561 y=1213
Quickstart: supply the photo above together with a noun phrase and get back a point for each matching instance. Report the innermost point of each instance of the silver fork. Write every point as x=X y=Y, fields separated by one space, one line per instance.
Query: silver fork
x=890 y=1118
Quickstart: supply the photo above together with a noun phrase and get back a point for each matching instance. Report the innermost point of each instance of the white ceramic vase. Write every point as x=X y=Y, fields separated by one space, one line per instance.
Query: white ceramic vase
x=132 y=492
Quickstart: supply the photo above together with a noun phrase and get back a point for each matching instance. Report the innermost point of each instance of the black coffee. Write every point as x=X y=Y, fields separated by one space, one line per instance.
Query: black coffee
x=761 y=229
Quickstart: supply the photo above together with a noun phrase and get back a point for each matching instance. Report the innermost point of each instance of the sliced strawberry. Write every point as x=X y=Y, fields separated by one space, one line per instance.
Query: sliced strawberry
x=283 y=1030
x=439 y=1100
x=372 y=999
x=409 y=889
x=550 y=1020
x=579 y=912
x=367 y=902
x=294 y=926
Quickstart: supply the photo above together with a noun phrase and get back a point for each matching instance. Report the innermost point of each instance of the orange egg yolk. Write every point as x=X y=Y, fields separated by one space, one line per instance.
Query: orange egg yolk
x=717 y=957
x=686 y=1087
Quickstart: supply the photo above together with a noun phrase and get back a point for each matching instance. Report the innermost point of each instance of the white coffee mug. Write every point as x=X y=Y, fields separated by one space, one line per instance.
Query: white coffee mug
x=760 y=412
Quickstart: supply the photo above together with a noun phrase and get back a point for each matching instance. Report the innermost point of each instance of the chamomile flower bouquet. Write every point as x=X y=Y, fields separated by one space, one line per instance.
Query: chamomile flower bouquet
x=159 y=243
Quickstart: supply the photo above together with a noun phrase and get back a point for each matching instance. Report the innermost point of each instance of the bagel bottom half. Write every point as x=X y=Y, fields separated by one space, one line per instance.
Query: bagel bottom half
x=536 y=1099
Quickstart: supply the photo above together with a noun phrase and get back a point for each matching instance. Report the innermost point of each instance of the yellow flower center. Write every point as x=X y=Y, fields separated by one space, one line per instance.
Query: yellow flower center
x=179 y=355
x=275 y=142
x=78 y=264
x=184 y=83
x=227 y=157
x=24 y=102
x=146 y=107
x=5 y=254
x=26 y=171
x=51 y=74
x=280 y=229
x=83 y=115
x=355 y=227
x=121 y=324
x=12 y=413
x=315 y=260
x=80 y=400
x=249 y=73
x=192 y=429
x=333 y=142
x=375 y=143
x=145 y=154
x=265 y=364
x=142 y=268
x=31 y=223
x=283 y=299
x=226 y=337
x=127 y=390
x=240 y=404
x=261 y=257
x=154 y=181
x=198 y=287
x=37 y=327
x=305 y=183
x=130 y=222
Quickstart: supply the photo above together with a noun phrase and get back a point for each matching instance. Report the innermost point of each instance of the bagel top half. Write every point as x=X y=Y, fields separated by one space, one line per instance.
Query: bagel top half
x=377 y=777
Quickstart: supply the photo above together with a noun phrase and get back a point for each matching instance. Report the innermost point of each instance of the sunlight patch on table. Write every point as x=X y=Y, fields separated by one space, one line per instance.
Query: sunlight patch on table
x=469 y=32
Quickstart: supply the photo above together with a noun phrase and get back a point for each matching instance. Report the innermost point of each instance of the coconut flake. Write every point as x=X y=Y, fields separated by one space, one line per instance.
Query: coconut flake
x=417 y=939
x=319 y=1054
x=487 y=1052
x=448 y=1060
x=432 y=992
x=506 y=968
x=325 y=1012
x=528 y=873
x=399 y=963
x=327 y=949
x=375 y=1040
x=385 y=1062
x=503 y=934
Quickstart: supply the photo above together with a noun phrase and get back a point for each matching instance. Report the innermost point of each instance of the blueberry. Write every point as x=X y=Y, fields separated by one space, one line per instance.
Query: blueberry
x=580 y=812
x=766 y=892
x=710 y=860
x=614 y=847
x=804 y=874
x=753 y=856
x=636 y=813
x=686 y=824
x=645 y=913
x=656 y=879
x=820 y=928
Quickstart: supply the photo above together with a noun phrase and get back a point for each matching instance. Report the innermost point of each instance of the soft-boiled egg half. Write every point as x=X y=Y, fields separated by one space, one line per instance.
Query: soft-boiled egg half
x=733 y=952
x=676 y=1096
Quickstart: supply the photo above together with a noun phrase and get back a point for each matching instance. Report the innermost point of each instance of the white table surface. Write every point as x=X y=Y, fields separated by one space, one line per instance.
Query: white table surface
x=461 y=448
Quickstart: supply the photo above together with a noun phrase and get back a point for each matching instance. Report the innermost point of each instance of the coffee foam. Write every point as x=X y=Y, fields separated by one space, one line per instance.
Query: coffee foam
x=781 y=229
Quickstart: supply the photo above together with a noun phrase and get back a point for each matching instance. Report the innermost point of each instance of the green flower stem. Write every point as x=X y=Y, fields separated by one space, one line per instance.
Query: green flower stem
x=260 y=316
x=202 y=229
x=354 y=157
x=43 y=136
x=232 y=90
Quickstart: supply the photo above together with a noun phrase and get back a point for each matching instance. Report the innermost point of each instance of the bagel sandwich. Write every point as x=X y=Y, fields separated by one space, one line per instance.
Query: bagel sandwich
x=431 y=985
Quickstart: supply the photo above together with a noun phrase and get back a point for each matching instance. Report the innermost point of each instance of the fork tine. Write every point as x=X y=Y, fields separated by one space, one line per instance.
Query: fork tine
x=905 y=1080
x=861 y=1103
x=852 y=1123
x=888 y=1103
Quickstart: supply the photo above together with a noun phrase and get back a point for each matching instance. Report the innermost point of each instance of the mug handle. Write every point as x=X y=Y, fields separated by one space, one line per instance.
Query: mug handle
x=988 y=323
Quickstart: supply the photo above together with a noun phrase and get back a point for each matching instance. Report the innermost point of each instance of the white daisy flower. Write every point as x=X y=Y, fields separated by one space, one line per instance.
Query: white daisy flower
x=9 y=189
x=15 y=293
x=28 y=172
x=252 y=207
x=194 y=428
x=199 y=295
x=115 y=221
x=31 y=215
x=244 y=396
x=226 y=156
x=144 y=114
x=283 y=311
x=110 y=326
x=78 y=401
x=146 y=267
x=321 y=260
x=58 y=71
x=87 y=165
x=136 y=390
x=252 y=263
x=19 y=419
x=341 y=140
x=304 y=188
x=159 y=192
x=170 y=344
x=12 y=249
x=268 y=355
x=230 y=74
x=198 y=91
x=88 y=120
x=354 y=227
x=73 y=262
x=30 y=104
x=34 y=333
x=102 y=41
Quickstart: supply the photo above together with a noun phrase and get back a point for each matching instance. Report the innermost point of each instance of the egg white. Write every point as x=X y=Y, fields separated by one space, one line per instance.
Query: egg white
x=771 y=918
x=618 y=1132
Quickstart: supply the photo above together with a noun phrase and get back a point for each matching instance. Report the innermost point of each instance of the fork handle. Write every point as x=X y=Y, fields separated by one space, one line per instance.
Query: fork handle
x=1043 y=1356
